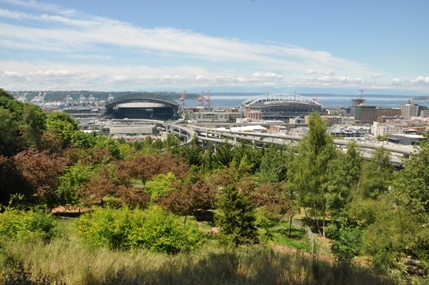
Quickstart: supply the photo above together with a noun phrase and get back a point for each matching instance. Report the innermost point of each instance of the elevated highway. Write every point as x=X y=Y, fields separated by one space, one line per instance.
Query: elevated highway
x=279 y=137
x=219 y=136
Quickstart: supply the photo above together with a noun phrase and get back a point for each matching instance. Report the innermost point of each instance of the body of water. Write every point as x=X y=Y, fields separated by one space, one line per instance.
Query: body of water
x=327 y=100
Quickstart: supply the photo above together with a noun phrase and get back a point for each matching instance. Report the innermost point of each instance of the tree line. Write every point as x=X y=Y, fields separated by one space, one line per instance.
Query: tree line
x=366 y=207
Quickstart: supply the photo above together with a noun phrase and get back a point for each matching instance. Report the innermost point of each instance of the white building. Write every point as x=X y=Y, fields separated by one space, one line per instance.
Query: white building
x=379 y=129
x=409 y=110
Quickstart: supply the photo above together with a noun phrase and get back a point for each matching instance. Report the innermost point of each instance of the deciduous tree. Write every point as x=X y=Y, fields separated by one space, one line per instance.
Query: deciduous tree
x=308 y=171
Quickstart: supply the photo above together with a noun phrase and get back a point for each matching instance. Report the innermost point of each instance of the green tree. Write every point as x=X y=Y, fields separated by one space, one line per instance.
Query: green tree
x=193 y=152
x=308 y=171
x=376 y=174
x=410 y=192
x=344 y=173
x=72 y=182
x=61 y=123
x=158 y=144
x=273 y=167
x=410 y=188
x=159 y=185
x=109 y=144
x=33 y=125
x=172 y=144
x=9 y=139
x=235 y=215
x=223 y=156
x=207 y=158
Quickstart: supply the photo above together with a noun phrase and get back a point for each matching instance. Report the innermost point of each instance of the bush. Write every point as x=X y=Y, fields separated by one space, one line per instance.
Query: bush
x=25 y=225
x=152 y=229
x=347 y=244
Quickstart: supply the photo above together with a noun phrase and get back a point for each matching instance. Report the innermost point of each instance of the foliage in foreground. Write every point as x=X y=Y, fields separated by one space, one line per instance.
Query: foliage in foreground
x=250 y=265
x=152 y=229
x=25 y=226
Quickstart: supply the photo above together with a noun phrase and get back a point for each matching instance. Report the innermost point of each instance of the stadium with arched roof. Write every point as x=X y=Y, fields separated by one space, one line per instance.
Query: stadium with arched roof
x=143 y=106
x=279 y=107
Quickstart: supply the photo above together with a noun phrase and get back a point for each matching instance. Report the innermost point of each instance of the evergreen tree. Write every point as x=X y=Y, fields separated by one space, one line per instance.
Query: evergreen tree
x=236 y=218
x=207 y=159
x=223 y=155
x=192 y=152
x=273 y=166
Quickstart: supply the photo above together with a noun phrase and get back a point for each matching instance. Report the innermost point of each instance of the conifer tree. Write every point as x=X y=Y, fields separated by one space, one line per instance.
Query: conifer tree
x=235 y=213
x=236 y=218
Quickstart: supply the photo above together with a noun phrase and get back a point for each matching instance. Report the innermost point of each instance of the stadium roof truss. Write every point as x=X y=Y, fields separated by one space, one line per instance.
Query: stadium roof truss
x=268 y=99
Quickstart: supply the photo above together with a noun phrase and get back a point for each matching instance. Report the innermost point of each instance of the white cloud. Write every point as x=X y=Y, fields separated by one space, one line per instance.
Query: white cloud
x=31 y=4
x=395 y=81
x=72 y=32
x=52 y=73
x=377 y=75
x=80 y=51
x=12 y=74
x=310 y=71
x=420 y=80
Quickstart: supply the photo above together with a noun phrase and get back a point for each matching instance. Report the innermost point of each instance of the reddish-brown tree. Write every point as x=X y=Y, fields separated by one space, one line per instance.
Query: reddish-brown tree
x=272 y=197
x=189 y=198
x=103 y=185
x=41 y=171
x=145 y=167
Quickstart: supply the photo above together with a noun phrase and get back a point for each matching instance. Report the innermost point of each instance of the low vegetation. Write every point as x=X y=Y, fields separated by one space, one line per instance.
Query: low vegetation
x=156 y=212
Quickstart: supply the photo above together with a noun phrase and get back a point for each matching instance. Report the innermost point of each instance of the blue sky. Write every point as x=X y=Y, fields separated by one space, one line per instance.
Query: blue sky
x=329 y=46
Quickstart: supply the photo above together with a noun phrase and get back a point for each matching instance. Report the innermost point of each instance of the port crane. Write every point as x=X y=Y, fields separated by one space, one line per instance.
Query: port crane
x=207 y=100
x=182 y=101
x=200 y=99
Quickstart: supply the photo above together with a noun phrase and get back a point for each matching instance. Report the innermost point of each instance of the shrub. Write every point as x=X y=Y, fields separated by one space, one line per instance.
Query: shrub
x=25 y=225
x=347 y=244
x=152 y=229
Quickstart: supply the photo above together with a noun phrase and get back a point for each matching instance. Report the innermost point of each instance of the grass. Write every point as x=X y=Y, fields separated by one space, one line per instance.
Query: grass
x=297 y=240
x=66 y=259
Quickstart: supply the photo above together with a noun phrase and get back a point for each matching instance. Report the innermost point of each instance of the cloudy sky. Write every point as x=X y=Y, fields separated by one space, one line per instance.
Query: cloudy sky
x=222 y=45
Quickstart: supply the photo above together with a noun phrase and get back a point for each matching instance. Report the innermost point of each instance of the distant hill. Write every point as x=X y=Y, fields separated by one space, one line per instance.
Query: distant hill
x=421 y=98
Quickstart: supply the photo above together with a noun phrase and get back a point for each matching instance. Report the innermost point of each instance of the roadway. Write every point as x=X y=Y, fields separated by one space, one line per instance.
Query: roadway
x=218 y=136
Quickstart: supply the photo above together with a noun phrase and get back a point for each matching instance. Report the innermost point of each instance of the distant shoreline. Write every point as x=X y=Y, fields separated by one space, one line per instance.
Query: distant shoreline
x=421 y=98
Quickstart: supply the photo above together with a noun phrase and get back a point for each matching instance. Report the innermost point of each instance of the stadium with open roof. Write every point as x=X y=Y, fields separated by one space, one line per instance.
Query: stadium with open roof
x=279 y=107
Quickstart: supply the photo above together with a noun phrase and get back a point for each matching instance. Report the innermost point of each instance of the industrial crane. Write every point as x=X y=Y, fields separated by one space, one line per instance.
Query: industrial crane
x=207 y=100
x=200 y=99
x=182 y=101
